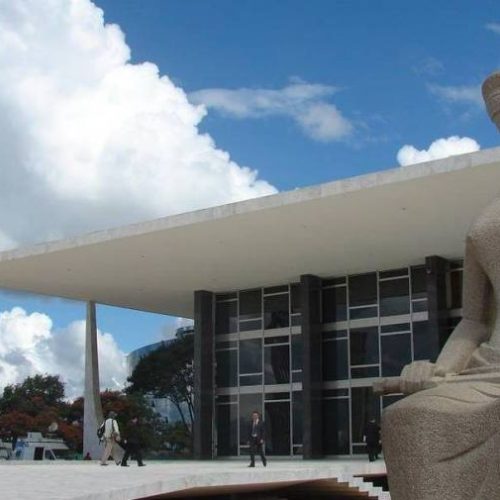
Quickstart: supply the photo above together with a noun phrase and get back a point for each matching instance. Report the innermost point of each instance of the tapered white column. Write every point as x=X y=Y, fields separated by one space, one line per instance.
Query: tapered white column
x=92 y=409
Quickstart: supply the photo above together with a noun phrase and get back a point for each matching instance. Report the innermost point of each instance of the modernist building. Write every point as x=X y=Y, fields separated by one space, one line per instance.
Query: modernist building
x=300 y=299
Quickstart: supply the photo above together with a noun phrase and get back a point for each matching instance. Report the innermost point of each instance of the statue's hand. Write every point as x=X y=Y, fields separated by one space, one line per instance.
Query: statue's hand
x=415 y=375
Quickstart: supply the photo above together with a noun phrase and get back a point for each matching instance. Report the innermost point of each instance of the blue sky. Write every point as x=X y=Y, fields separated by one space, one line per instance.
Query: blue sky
x=390 y=73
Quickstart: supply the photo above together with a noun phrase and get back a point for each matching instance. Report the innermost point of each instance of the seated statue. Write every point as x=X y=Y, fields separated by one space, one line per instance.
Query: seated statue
x=444 y=442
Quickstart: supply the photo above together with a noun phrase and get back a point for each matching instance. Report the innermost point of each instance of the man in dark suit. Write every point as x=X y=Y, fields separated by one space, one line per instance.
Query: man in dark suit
x=256 y=439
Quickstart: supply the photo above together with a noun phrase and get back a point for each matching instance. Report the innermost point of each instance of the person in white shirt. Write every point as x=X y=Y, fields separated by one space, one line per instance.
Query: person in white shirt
x=111 y=439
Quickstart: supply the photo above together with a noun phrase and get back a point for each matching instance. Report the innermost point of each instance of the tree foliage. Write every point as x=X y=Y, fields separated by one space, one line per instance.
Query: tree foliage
x=167 y=372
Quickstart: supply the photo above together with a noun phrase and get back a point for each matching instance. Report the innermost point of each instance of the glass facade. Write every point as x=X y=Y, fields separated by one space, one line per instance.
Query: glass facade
x=373 y=324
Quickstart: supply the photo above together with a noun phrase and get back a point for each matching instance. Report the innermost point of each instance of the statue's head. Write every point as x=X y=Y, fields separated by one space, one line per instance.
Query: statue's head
x=491 y=96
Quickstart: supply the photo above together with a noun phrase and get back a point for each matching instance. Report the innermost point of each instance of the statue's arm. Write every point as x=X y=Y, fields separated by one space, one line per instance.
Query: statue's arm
x=473 y=328
x=469 y=333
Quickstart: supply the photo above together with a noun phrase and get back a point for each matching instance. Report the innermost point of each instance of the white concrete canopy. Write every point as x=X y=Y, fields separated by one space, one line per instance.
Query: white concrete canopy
x=377 y=221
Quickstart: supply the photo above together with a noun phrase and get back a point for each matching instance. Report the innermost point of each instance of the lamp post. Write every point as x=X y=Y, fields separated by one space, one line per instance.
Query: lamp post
x=491 y=96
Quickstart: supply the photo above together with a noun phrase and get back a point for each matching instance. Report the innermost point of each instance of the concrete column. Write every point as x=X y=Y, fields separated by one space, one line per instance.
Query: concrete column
x=436 y=268
x=312 y=367
x=92 y=410
x=204 y=387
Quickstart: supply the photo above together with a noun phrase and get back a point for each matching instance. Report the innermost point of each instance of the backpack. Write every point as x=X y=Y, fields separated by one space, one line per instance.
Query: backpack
x=100 y=430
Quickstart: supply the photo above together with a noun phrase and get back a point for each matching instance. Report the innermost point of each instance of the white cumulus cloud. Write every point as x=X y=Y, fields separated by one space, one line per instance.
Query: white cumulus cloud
x=305 y=103
x=30 y=345
x=440 y=148
x=90 y=140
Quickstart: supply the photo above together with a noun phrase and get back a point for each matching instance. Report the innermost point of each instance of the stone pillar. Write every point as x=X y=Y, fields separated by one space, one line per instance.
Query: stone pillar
x=312 y=367
x=204 y=387
x=92 y=410
x=436 y=268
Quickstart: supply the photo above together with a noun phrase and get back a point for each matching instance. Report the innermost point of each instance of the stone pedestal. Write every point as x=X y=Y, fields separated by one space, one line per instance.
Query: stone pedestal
x=92 y=409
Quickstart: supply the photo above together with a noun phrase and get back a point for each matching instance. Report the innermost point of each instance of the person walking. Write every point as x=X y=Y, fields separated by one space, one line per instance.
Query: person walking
x=256 y=439
x=371 y=436
x=133 y=443
x=111 y=439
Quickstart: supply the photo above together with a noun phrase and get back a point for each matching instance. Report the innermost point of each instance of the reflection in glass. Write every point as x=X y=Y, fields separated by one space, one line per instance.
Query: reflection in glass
x=276 y=311
x=396 y=353
x=251 y=356
x=365 y=372
x=335 y=362
x=364 y=405
x=364 y=346
x=394 y=297
x=250 y=380
x=363 y=289
x=251 y=304
x=334 y=304
x=226 y=320
x=336 y=426
x=227 y=429
x=248 y=404
x=277 y=364
x=226 y=373
x=278 y=428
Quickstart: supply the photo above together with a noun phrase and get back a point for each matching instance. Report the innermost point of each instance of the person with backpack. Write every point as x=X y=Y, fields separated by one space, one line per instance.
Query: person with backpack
x=110 y=433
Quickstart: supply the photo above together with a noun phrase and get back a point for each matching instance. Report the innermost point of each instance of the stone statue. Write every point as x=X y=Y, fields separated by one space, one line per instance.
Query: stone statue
x=443 y=442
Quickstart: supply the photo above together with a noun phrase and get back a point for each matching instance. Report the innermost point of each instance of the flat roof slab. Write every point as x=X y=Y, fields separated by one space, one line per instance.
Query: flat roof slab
x=387 y=219
x=90 y=481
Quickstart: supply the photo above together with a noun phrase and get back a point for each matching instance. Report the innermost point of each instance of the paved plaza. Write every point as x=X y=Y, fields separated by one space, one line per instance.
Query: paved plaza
x=90 y=481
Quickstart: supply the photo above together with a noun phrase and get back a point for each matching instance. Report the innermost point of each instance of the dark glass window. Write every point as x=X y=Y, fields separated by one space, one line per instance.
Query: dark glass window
x=248 y=404
x=296 y=320
x=247 y=326
x=297 y=376
x=365 y=372
x=418 y=282
x=335 y=363
x=226 y=320
x=334 y=303
x=227 y=430
x=419 y=306
x=363 y=312
x=456 y=278
x=365 y=405
x=251 y=356
x=282 y=339
x=295 y=298
x=276 y=396
x=226 y=374
x=400 y=327
x=226 y=296
x=276 y=313
x=336 y=426
x=276 y=289
x=335 y=393
x=424 y=346
x=277 y=364
x=363 y=289
x=250 y=304
x=250 y=379
x=297 y=352
x=297 y=412
x=396 y=353
x=393 y=273
x=394 y=297
x=278 y=428
x=364 y=346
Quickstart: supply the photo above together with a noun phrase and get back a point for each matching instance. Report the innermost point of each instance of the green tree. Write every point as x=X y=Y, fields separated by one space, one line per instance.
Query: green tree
x=167 y=372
